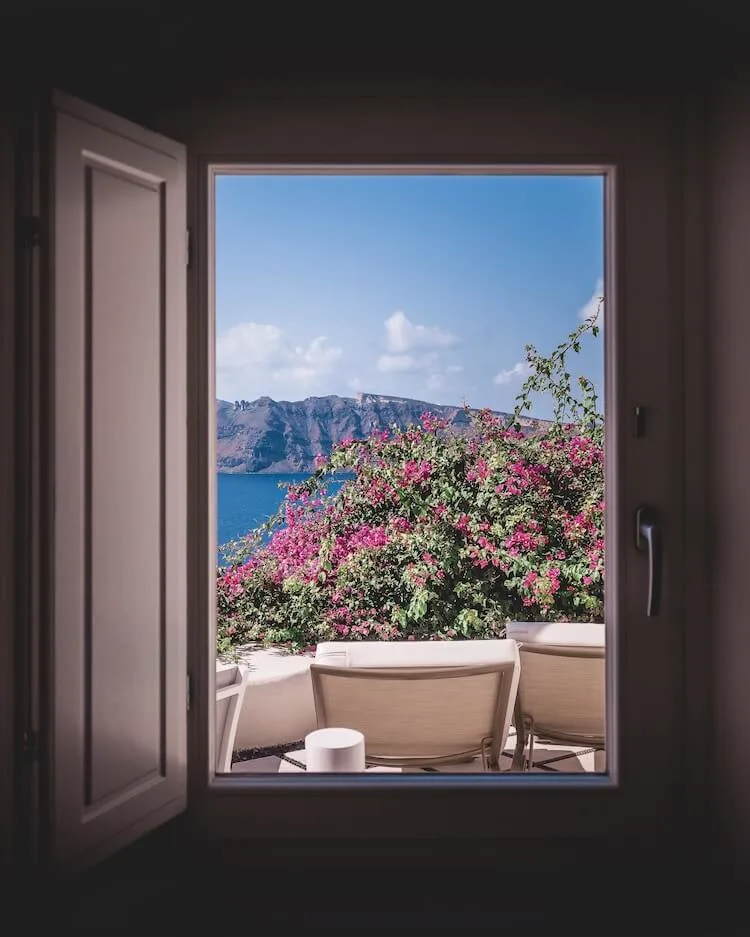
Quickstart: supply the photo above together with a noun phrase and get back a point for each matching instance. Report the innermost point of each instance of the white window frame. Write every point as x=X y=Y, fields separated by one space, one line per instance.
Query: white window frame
x=483 y=807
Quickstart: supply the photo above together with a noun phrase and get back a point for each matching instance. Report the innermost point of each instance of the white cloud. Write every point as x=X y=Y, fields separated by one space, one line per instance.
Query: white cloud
x=247 y=345
x=520 y=369
x=594 y=305
x=399 y=363
x=402 y=335
x=320 y=356
x=411 y=350
x=300 y=375
x=251 y=355
x=454 y=369
x=407 y=364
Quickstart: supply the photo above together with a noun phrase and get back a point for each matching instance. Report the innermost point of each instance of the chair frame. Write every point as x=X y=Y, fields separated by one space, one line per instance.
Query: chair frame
x=488 y=747
x=235 y=693
x=526 y=729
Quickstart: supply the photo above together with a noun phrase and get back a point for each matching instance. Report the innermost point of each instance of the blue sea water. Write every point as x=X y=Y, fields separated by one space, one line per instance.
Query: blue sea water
x=247 y=501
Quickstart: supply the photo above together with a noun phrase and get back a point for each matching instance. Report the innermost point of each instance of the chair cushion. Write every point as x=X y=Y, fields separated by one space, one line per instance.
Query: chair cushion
x=414 y=653
x=558 y=633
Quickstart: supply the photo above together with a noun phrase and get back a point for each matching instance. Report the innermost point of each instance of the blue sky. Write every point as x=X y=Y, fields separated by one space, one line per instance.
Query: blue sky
x=416 y=286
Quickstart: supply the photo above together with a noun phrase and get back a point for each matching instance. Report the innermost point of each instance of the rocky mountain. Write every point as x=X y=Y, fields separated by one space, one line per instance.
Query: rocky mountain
x=268 y=435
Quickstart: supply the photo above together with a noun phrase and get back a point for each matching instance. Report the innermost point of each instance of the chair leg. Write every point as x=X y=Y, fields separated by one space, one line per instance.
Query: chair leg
x=490 y=762
x=519 y=753
x=524 y=734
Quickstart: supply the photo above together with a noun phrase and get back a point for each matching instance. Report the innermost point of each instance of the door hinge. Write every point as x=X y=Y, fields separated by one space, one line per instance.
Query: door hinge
x=188 y=248
x=30 y=746
x=188 y=692
x=29 y=231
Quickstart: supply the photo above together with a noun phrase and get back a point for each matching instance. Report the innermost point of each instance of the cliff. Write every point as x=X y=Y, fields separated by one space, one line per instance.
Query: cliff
x=268 y=435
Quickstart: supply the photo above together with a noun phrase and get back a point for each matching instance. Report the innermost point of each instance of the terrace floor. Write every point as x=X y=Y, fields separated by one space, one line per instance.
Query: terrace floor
x=564 y=759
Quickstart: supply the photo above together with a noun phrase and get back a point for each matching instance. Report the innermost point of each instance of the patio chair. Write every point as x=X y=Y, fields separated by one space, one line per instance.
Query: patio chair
x=231 y=680
x=419 y=704
x=561 y=690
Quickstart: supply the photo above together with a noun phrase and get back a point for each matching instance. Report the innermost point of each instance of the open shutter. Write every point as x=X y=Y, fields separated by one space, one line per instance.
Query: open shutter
x=118 y=635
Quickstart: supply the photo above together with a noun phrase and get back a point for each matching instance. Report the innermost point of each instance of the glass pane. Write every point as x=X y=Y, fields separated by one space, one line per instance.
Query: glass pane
x=410 y=471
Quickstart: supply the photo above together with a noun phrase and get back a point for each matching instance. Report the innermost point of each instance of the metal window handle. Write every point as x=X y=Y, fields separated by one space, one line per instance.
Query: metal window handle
x=648 y=539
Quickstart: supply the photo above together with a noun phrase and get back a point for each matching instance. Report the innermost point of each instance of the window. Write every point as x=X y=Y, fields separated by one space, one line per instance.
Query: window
x=645 y=673
x=415 y=510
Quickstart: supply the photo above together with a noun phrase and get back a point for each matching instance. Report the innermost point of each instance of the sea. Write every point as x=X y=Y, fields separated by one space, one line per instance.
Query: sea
x=247 y=501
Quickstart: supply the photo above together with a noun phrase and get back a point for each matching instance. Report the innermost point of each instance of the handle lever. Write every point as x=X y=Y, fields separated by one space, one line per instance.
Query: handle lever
x=648 y=539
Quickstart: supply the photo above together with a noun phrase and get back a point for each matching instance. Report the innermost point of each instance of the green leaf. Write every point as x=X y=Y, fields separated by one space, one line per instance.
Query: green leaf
x=418 y=605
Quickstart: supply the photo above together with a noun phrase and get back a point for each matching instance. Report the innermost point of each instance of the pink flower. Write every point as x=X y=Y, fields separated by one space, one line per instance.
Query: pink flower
x=524 y=538
x=379 y=491
x=480 y=471
x=428 y=421
x=416 y=473
x=362 y=538
x=401 y=524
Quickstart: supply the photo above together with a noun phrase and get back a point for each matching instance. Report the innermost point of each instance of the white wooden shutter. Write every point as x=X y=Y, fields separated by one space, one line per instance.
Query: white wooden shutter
x=118 y=666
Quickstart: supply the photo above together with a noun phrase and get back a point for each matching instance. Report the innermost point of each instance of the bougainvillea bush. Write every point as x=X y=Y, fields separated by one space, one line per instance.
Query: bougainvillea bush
x=434 y=534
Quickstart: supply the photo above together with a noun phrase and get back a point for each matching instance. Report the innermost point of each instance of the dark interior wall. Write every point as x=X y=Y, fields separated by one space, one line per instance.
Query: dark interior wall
x=728 y=445
x=7 y=507
x=142 y=59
